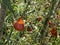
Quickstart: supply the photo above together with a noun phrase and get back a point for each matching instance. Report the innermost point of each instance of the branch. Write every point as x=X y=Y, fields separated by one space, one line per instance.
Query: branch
x=30 y=12
x=2 y=16
x=33 y=11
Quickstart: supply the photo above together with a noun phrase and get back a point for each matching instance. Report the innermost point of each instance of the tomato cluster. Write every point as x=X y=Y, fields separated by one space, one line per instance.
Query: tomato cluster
x=19 y=25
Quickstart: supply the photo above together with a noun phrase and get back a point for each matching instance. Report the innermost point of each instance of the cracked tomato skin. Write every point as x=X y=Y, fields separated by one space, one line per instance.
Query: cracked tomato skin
x=19 y=24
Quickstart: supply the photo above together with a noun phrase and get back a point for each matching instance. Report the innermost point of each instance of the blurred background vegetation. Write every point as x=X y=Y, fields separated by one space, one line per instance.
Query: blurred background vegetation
x=36 y=14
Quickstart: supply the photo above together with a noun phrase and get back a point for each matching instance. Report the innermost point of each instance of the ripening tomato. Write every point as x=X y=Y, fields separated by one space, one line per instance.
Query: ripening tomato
x=19 y=24
x=53 y=32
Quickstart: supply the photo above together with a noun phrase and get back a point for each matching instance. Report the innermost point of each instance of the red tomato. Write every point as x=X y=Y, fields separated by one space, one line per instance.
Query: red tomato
x=19 y=24
x=53 y=32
